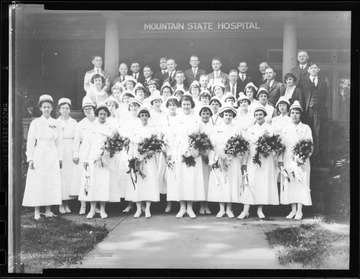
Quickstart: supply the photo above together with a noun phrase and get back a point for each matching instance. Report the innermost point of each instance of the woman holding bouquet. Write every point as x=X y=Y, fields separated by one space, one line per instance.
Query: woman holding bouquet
x=147 y=184
x=83 y=127
x=262 y=186
x=68 y=126
x=44 y=154
x=189 y=182
x=207 y=126
x=168 y=126
x=98 y=189
x=225 y=177
x=295 y=188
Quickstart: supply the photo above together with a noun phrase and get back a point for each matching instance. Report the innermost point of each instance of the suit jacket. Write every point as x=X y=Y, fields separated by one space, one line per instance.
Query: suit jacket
x=172 y=80
x=297 y=95
x=140 y=78
x=161 y=77
x=323 y=88
x=259 y=81
x=146 y=85
x=223 y=76
x=237 y=89
x=89 y=75
x=299 y=74
x=189 y=76
x=242 y=84
x=276 y=90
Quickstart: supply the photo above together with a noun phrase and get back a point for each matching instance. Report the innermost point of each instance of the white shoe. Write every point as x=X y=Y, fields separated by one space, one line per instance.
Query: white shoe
x=191 y=213
x=90 y=215
x=261 y=215
x=298 y=216
x=181 y=213
x=97 y=210
x=243 y=215
x=37 y=216
x=202 y=211
x=230 y=214
x=82 y=210
x=291 y=215
x=137 y=214
x=220 y=214
x=62 y=209
x=67 y=209
x=103 y=214
x=168 y=208
x=127 y=209
x=50 y=214
x=147 y=213
x=207 y=210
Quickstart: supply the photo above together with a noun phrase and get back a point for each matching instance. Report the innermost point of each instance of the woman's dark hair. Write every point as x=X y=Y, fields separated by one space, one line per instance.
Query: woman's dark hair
x=187 y=98
x=102 y=108
x=96 y=76
x=172 y=101
x=46 y=101
x=290 y=75
x=60 y=105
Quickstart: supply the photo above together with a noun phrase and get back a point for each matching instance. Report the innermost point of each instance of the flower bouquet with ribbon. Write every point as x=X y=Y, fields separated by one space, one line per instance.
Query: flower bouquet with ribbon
x=199 y=144
x=267 y=144
x=149 y=146
x=237 y=146
x=301 y=151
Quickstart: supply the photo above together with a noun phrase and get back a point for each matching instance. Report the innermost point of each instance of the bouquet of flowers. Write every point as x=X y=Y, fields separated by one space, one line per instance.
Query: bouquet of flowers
x=112 y=145
x=199 y=144
x=236 y=145
x=267 y=144
x=149 y=146
x=302 y=151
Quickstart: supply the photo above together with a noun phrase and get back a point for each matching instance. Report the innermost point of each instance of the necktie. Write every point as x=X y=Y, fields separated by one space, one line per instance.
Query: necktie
x=232 y=88
x=194 y=71
x=242 y=77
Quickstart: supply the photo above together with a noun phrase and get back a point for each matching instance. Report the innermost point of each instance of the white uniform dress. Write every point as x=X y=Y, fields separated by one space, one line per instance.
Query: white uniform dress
x=224 y=186
x=262 y=180
x=189 y=180
x=168 y=180
x=68 y=166
x=44 y=148
x=99 y=189
x=295 y=191
x=82 y=128
x=216 y=119
x=244 y=121
x=279 y=122
x=147 y=188
x=208 y=128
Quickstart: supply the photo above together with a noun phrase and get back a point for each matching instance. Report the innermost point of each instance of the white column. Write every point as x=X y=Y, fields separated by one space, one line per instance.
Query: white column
x=112 y=45
x=289 y=45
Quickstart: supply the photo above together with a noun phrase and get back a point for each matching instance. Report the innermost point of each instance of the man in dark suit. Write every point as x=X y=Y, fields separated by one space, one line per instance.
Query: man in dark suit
x=147 y=78
x=136 y=73
x=194 y=73
x=301 y=70
x=171 y=68
x=244 y=79
x=180 y=78
x=217 y=75
x=275 y=88
x=233 y=85
x=315 y=90
x=261 y=79
x=123 y=70
x=162 y=75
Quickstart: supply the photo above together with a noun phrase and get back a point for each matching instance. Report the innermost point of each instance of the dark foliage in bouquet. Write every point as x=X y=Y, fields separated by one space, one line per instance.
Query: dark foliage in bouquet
x=116 y=143
x=267 y=144
x=302 y=151
x=236 y=145
x=200 y=142
x=154 y=143
x=134 y=168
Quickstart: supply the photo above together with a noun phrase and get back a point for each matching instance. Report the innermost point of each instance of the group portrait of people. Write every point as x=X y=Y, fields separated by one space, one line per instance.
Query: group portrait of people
x=148 y=117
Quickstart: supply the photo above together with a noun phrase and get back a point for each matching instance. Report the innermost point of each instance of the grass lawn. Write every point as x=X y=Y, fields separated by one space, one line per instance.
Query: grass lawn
x=55 y=242
x=317 y=245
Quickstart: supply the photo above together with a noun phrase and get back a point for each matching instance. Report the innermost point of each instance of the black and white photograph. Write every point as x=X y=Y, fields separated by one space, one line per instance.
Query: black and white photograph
x=178 y=139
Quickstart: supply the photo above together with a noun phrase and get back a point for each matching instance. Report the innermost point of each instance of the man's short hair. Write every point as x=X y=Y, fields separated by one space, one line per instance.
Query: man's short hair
x=163 y=58
x=203 y=76
x=94 y=56
x=311 y=63
x=216 y=58
x=194 y=55
x=179 y=72
x=243 y=62
x=270 y=67
x=147 y=66
x=171 y=59
x=233 y=71
x=302 y=50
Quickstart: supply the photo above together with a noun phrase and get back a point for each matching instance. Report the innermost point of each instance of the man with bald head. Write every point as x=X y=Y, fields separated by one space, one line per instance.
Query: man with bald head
x=123 y=70
x=261 y=78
